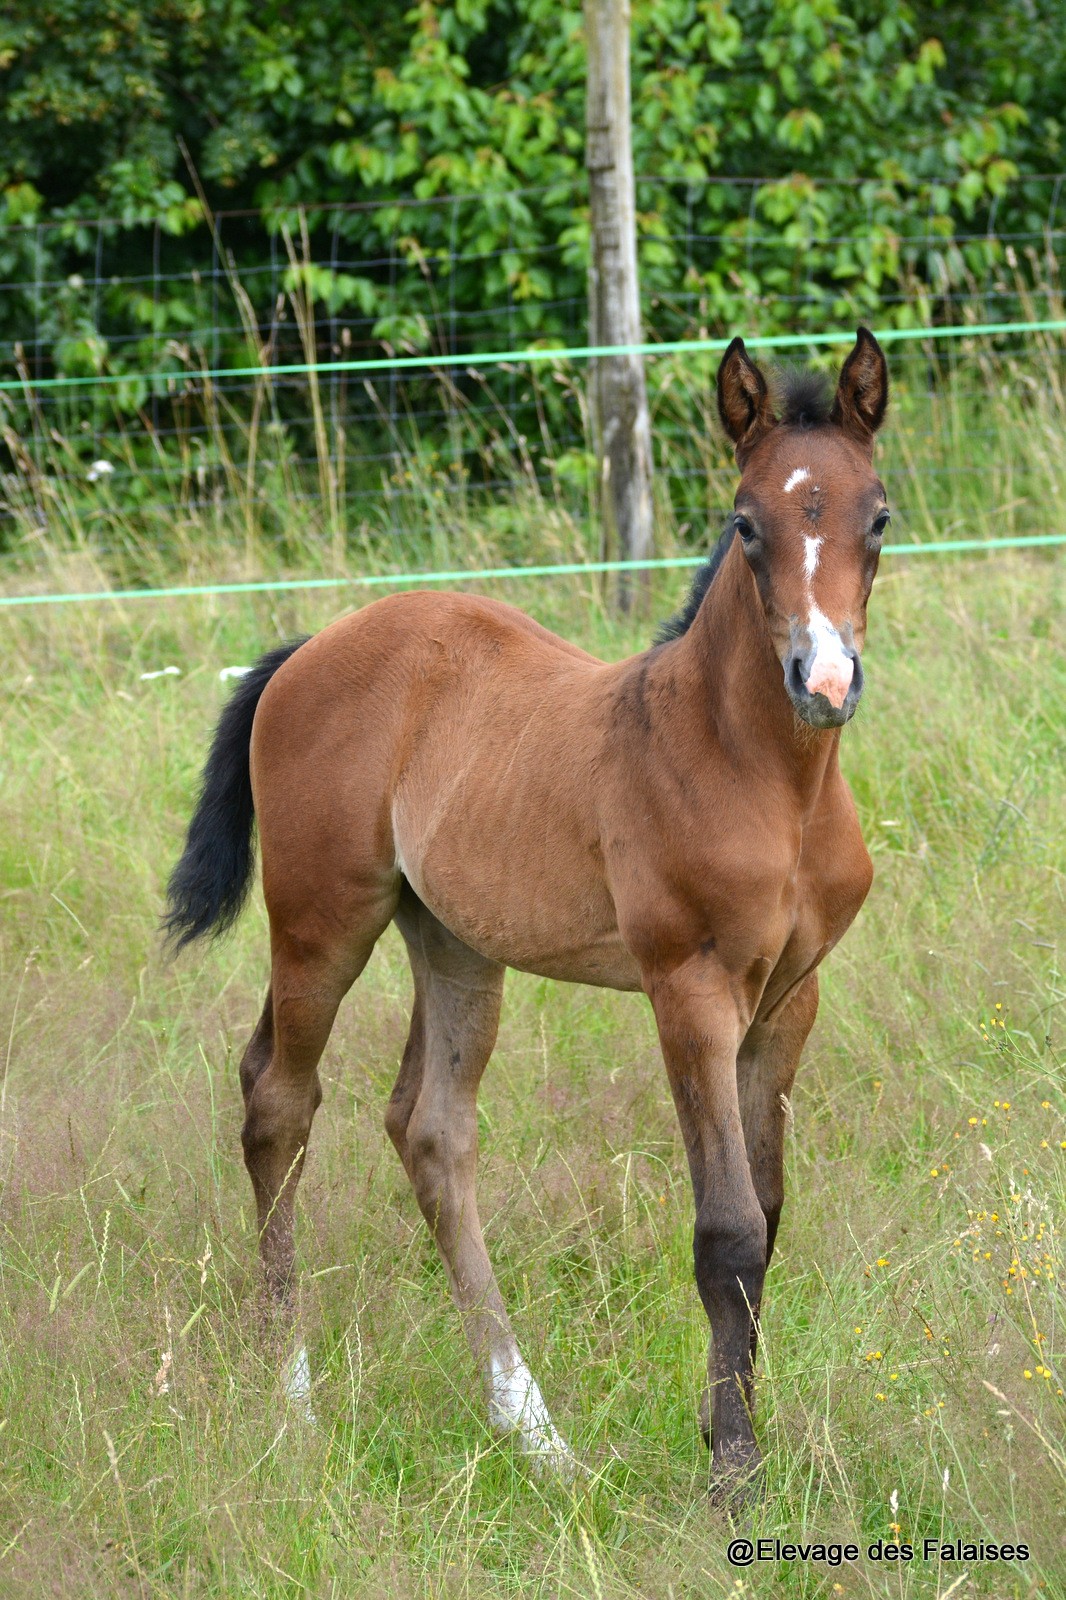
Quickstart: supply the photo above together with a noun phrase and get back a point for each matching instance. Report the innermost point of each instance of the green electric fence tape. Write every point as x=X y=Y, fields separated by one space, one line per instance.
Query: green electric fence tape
x=414 y=579
x=496 y=358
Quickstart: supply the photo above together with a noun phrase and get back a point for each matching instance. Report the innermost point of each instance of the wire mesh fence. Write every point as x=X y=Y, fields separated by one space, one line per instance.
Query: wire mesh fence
x=379 y=454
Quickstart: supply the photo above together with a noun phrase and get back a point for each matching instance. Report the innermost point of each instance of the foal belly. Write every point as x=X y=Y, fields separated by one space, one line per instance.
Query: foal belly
x=536 y=909
x=533 y=925
x=606 y=964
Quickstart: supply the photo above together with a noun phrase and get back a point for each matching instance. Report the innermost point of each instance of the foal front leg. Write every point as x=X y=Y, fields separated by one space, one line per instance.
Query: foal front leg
x=700 y=1032
x=766 y=1070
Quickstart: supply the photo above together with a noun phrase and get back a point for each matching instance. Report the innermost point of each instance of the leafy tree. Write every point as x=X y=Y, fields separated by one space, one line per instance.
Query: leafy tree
x=310 y=103
x=892 y=134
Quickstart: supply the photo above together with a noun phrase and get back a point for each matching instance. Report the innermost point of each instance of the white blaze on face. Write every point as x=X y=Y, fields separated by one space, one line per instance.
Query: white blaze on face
x=832 y=668
x=516 y=1405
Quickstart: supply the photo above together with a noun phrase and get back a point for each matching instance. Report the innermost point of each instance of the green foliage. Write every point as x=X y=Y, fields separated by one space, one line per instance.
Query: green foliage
x=310 y=104
x=899 y=142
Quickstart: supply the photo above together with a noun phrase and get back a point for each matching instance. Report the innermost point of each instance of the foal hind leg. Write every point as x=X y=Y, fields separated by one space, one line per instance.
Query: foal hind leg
x=258 y=1050
x=279 y=1078
x=432 y=1120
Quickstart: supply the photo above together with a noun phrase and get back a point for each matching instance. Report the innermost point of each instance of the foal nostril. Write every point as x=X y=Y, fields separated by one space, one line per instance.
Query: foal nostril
x=797 y=677
x=857 y=677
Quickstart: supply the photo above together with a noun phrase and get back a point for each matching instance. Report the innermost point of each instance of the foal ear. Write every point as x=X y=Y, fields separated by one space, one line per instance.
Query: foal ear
x=862 y=393
x=743 y=400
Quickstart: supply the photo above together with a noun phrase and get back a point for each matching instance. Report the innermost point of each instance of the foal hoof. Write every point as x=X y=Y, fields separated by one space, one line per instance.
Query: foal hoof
x=734 y=1476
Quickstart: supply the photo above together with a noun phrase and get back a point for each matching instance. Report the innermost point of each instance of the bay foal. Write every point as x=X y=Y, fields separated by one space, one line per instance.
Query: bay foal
x=676 y=823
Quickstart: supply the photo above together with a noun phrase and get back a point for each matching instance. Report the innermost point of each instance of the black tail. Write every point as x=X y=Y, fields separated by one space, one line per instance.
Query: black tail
x=208 y=886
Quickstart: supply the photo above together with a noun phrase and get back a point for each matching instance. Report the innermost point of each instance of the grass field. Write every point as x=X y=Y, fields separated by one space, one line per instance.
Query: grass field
x=914 y=1361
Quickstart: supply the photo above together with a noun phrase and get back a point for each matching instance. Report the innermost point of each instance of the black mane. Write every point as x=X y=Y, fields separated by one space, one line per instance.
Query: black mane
x=804 y=400
x=682 y=622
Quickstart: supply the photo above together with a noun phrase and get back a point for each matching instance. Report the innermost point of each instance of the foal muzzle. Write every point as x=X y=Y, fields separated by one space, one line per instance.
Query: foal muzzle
x=823 y=675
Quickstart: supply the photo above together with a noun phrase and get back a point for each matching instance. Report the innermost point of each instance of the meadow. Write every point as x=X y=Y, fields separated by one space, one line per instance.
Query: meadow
x=914 y=1357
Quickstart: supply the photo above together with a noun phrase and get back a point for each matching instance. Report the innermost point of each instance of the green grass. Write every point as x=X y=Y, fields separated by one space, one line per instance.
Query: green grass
x=146 y=1449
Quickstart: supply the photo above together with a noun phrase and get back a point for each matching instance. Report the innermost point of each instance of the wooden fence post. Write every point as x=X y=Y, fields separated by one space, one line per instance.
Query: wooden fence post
x=620 y=425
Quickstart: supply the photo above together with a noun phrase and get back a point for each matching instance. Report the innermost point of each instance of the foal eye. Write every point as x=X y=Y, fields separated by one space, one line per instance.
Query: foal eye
x=881 y=522
x=744 y=528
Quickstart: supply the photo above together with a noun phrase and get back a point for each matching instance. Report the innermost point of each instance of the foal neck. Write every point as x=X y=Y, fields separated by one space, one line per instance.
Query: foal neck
x=734 y=668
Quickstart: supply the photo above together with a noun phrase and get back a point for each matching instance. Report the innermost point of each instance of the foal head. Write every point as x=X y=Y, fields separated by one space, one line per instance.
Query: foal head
x=810 y=514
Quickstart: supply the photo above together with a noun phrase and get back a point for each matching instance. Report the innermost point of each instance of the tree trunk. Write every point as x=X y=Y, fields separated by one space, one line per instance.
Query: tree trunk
x=621 y=428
